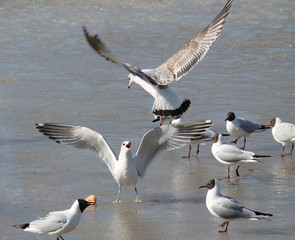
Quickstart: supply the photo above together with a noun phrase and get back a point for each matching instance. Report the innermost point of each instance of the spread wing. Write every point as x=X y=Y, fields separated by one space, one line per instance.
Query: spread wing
x=165 y=138
x=79 y=137
x=96 y=43
x=193 y=51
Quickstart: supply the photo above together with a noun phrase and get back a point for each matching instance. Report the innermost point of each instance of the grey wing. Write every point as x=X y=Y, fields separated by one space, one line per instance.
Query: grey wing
x=79 y=137
x=97 y=45
x=229 y=208
x=51 y=223
x=248 y=126
x=232 y=154
x=165 y=138
x=193 y=51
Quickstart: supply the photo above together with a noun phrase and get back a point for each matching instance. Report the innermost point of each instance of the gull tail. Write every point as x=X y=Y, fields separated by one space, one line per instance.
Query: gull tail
x=22 y=226
x=261 y=156
x=262 y=128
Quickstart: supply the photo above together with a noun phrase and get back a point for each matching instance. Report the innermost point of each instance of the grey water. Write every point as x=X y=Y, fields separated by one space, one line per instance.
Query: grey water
x=48 y=73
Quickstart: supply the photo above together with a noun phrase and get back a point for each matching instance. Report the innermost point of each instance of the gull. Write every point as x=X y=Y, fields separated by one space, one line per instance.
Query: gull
x=167 y=103
x=205 y=136
x=231 y=155
x=228 y=208
x=126 y=169
x=57 y=222
x=240 y=127
x=283 y=133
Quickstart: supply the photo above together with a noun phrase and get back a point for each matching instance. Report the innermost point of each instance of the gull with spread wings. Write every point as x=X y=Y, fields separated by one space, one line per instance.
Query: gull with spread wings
x=126 y=169
x=167 y=104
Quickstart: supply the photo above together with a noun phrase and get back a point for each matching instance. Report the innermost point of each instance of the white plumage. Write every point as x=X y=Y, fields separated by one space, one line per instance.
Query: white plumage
x=126 y=169
x=155 y=81
x=228 y=208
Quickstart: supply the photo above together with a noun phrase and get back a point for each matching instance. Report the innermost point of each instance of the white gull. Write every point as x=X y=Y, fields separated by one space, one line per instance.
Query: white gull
x=126 y=169
x=240 y=127
x=283 y=133
x=231 y=155
x=57 y=222
x=228 y=208
x=167 y=103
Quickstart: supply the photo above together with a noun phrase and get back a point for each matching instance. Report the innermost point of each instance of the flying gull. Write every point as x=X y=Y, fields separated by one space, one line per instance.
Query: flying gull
x=167 y=104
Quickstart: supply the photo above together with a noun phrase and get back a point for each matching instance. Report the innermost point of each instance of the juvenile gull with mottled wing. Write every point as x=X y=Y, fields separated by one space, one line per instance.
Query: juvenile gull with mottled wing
x=167 y=103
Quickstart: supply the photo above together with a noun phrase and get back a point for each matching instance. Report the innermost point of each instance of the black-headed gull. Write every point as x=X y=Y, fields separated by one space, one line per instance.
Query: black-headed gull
x=283 y=133
x=228 y=208
x=167 y=103
x=126 y=169
x=240 y=127
x=58 y=222
x=231 y=155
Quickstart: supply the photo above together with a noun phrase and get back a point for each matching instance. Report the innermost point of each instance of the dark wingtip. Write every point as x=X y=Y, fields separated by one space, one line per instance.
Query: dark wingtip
x=22 y=226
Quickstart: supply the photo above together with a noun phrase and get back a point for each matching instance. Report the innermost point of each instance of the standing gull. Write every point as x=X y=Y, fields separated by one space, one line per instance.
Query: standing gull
x=57 y=222
x=283 y=133
x=228 y=208
x=126 y=169
x=239 y=127
x=231 y=155
x=167 y=103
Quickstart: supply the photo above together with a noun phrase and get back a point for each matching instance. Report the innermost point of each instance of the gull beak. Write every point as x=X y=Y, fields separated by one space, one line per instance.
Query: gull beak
x=128 y=145
x=129 y=85
x=268 y=125
x=225 y=119
x=203 y=186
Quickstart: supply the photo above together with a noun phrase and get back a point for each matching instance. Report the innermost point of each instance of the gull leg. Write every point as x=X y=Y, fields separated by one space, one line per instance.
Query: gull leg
x=228 y=173
x=189 y=152
x=198 y=150
x=222 y=225
x=237 y=171
x=118 y=197
x=244 y=144
x=282 y=155
x=161 y=121
x=137 y=199
x=61 y=237
x=235 y=141
x=290 y=154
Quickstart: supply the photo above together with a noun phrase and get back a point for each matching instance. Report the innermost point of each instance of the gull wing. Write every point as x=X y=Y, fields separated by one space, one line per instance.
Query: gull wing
x=232 y=154
x=79 y=137
x=96 y=43
x=165 y=138
x=193 y=51
x=229 y=208
x=53 y=222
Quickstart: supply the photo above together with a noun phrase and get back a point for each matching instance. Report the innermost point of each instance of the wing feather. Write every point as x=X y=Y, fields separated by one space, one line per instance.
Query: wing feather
x=79 y=137
x=167 y=137
x=193 y=51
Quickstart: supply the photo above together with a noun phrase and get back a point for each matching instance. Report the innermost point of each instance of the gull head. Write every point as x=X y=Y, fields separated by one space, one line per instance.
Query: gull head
x=83 y=204
x=126 y=145
x=209 y=185
x=230 y=116
x=273 y=122
x=131 y=78
x=215 y=138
